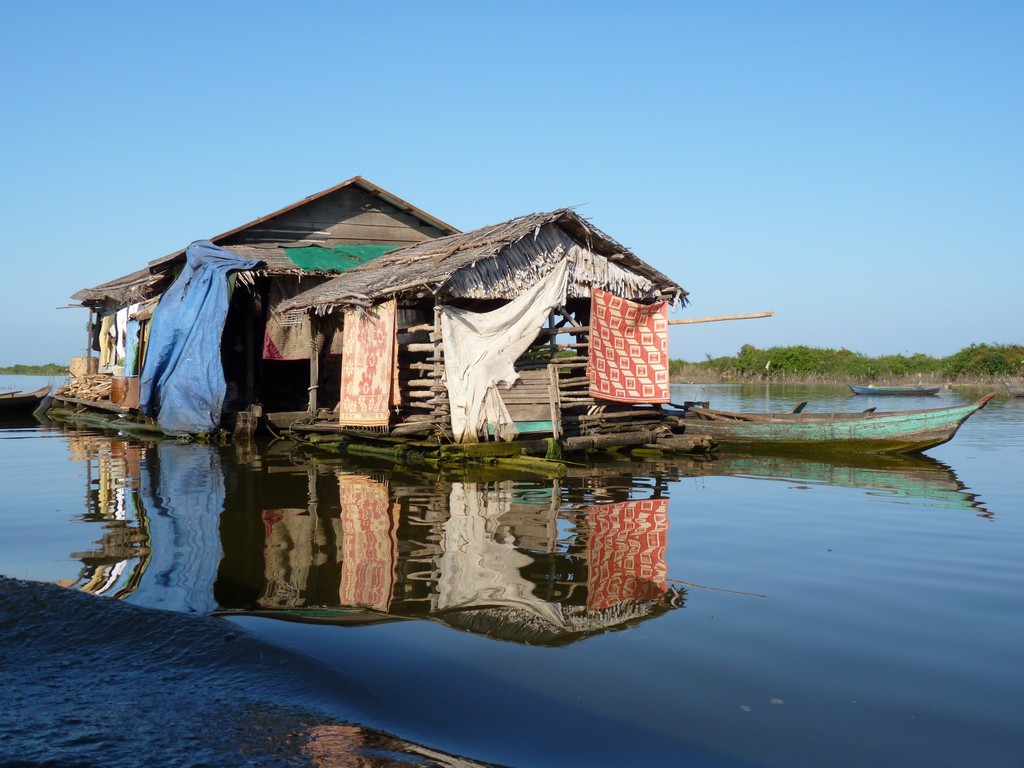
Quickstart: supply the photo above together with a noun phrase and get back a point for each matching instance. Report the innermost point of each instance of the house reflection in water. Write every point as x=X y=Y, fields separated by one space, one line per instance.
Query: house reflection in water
x=508 y=559
x=160 y=505
x=113 y=469
x=195 y=528
x=206 y=529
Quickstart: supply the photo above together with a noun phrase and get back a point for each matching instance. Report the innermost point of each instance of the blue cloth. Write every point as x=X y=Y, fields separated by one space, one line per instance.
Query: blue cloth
x=182 y=382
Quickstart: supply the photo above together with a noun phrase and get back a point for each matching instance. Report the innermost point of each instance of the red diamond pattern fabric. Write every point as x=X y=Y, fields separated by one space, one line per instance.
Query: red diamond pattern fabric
x=628 y=358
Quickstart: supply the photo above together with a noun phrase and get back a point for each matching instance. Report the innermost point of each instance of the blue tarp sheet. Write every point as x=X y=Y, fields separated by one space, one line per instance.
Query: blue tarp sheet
x=182 y=382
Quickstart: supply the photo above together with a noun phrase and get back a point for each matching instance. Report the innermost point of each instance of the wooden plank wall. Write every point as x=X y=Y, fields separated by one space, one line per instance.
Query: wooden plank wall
x=553 y=385
x=349 y=215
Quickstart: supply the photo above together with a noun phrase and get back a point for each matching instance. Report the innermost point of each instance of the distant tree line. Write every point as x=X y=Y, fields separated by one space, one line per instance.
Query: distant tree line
x=978 y=361
x=50 y=369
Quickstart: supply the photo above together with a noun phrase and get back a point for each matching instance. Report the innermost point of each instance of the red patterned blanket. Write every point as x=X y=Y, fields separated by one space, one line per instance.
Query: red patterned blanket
x=628 y=350
x=368 y=366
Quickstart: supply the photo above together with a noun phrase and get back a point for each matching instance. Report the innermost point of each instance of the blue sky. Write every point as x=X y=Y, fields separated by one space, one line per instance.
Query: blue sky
x=855 y=167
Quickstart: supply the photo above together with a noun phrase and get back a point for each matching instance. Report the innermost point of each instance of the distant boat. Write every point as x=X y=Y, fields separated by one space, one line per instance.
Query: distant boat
x=20 y=403
x=800 y=431
x=1015 y=391
x=918 y=389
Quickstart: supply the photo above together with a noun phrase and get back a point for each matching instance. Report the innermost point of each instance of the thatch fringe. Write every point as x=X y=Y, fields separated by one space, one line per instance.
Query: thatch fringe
x=496 y=262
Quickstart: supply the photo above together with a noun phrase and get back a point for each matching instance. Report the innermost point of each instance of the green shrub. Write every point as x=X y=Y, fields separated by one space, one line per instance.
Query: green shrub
x=977 y=360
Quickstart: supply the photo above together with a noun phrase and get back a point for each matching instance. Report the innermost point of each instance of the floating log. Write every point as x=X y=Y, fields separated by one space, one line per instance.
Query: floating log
x=617 y=439
x=686 y=443
x=415 y=427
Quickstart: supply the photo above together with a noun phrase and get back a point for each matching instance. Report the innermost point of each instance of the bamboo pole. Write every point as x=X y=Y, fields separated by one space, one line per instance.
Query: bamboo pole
x=750 y=316
x=687 y=321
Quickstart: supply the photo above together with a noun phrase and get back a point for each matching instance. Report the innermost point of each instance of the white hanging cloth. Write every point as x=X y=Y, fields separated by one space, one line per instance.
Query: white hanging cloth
x=480 y=351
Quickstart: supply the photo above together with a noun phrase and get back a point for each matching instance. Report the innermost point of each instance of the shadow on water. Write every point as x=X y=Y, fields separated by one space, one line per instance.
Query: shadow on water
x=11 y=422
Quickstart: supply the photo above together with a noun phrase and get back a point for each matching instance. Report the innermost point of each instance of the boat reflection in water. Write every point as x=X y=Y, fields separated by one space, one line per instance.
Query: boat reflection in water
x=899 y=477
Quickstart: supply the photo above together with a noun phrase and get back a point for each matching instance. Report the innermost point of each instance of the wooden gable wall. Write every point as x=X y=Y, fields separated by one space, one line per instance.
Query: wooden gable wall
x=347 y=215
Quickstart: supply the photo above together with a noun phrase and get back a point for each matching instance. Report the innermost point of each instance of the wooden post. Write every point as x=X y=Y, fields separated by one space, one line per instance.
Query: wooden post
x=437 y=374
x=250 y=357
x=315 y=344
x=88 y=346
x=552 y=346
x=554 y=397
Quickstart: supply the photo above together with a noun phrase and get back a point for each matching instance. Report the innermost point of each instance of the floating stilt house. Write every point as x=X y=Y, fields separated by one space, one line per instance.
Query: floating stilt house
x=160 y=355
x=534 y=332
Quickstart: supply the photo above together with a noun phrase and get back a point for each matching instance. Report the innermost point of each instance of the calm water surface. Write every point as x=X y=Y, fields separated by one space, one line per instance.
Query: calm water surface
x=267 y=606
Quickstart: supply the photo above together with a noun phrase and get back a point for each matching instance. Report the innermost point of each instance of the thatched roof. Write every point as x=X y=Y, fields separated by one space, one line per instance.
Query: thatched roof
x=150 y=281
x=129 y=289
x=497 y=262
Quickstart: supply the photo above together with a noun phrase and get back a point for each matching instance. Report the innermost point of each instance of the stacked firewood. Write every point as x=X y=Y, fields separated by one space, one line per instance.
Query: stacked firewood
x=95 y=386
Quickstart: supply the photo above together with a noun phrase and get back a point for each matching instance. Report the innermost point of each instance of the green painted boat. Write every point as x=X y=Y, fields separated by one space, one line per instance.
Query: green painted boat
x=862 y=432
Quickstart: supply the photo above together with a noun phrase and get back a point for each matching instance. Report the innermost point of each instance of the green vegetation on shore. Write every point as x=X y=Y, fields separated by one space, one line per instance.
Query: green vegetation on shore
x=50 y=369
x=976 y=362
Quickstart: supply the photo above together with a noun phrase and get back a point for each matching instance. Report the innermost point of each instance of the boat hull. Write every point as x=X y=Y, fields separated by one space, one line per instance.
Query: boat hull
x=1015 y=391
x=867 y=432
x=21 y=403
x=895 y=390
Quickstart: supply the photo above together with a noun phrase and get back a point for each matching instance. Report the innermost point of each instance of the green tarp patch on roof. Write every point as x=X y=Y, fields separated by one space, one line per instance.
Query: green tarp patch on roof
x=315 y=258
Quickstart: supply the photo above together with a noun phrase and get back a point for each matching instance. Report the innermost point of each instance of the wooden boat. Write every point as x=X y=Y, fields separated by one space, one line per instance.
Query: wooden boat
x=863 y=432
x=1015 y=391
x=918 y=389
x=20 y=403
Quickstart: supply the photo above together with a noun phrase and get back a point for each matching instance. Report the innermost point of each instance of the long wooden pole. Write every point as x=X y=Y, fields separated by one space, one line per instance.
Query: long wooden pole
x=750 y=316
x=586 y=328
